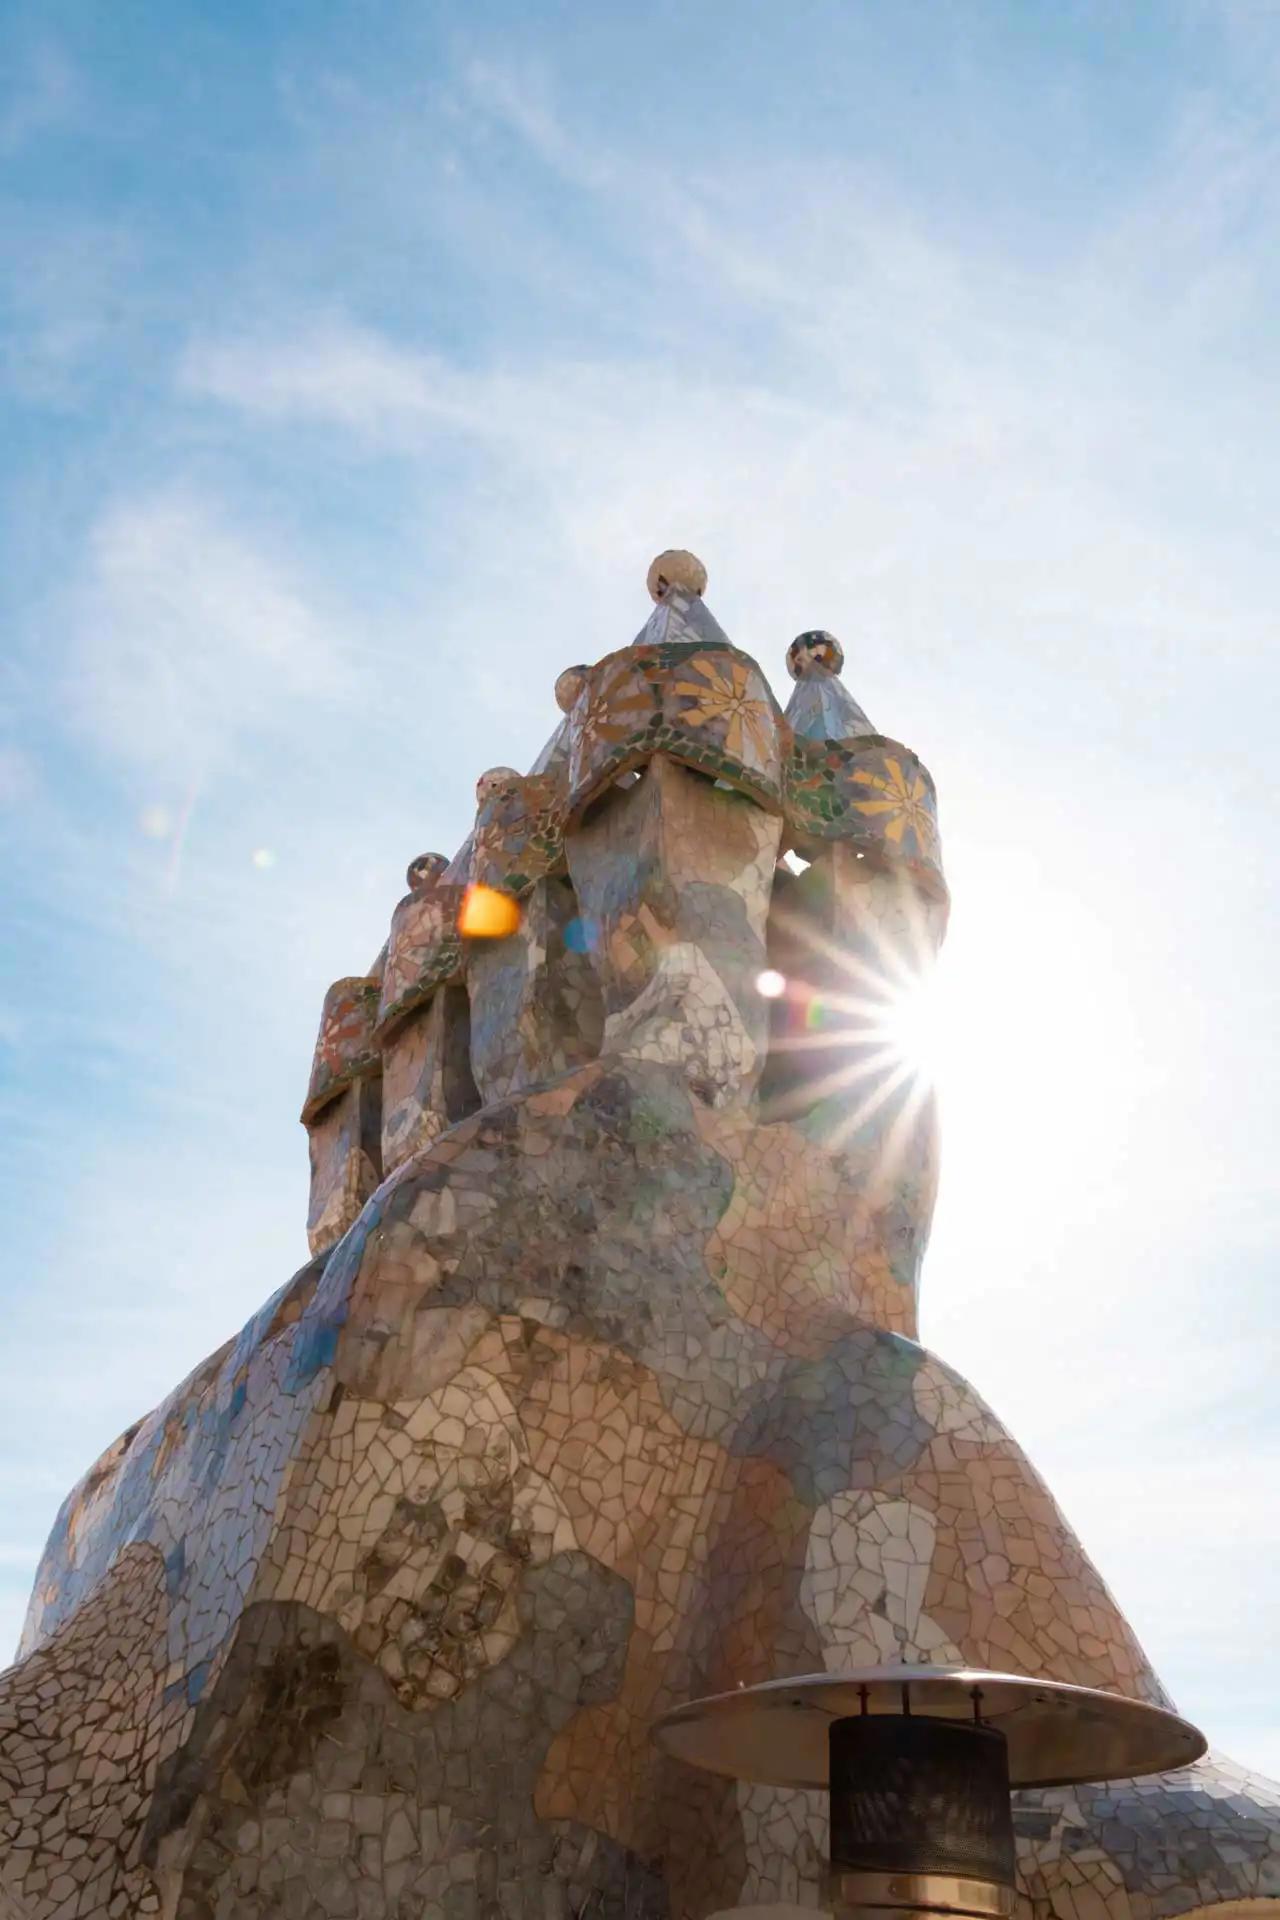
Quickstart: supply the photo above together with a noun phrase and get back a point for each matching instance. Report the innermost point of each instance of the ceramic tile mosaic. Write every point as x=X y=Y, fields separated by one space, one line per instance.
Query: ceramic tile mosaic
x=427 y=1083
x=600 y=1391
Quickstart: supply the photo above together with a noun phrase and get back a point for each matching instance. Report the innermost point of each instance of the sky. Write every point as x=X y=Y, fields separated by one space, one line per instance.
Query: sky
x=355 y=360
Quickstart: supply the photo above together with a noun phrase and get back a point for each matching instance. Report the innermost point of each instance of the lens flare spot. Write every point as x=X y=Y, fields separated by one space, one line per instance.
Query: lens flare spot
x=263 y=858
x=156 y=822
x=581 y=936
x=487 y=914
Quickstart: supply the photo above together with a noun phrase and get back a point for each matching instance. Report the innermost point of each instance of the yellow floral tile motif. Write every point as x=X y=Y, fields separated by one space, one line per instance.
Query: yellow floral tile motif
x=723 y=696
x=904 y=800
x=619 y=707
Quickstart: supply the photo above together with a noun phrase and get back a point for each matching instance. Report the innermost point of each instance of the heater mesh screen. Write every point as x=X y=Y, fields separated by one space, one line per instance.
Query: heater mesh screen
x=918 y=1795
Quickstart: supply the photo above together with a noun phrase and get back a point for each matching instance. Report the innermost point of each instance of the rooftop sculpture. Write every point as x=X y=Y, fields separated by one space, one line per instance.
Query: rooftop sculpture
x=600 y=1391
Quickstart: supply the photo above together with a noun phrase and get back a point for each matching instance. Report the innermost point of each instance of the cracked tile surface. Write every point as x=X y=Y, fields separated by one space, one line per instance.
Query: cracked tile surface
x=600 y=1391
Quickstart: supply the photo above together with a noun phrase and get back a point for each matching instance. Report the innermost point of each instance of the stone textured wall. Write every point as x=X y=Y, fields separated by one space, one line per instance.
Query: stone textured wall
x=600 y=1391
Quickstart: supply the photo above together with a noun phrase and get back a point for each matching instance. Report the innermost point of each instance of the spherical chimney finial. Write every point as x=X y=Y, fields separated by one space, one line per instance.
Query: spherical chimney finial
x=425 y=871
x=676 y=568
x=814 y=655
x=569 y=685
x=496 y=780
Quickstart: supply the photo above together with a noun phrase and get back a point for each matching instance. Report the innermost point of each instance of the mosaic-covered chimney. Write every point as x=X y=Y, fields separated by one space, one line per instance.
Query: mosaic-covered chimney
x=598 y=1396
x=688 y=875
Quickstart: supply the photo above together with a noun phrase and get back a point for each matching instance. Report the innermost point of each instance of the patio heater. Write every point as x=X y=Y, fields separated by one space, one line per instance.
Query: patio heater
x=919 y=1763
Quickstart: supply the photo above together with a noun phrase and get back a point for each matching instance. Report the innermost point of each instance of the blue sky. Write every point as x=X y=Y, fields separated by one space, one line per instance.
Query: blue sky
x=353 y=363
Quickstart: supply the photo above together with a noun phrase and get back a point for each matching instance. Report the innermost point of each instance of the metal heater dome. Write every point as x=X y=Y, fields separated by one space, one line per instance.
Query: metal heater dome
x=919 y=1762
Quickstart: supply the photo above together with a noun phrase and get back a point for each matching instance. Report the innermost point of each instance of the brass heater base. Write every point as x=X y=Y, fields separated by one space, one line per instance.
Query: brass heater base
x=896 y=1896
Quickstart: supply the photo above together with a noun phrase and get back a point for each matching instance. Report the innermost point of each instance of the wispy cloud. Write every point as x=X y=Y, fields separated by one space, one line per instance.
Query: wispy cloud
x=335 y=372
x=191 y=646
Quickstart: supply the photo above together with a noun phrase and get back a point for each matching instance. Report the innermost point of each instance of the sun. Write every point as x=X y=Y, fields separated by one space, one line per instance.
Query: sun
x=897 y=1016
x=859 y=1035
x=911 y=1023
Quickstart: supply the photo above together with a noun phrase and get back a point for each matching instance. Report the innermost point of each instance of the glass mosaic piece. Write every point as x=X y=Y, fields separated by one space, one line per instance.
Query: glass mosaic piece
x=824 y=709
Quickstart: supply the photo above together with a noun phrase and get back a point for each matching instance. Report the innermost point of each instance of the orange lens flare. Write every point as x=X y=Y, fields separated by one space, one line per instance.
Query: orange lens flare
x=486 y=914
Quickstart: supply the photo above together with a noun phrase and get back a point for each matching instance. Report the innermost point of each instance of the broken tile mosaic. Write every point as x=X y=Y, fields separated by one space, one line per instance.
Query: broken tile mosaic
x=601 y=1390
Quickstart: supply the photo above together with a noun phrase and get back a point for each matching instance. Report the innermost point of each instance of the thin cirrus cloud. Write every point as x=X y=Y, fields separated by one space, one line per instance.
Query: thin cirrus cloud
x=340 y=374
x=189 y=645
x=799 y=490
x=903 y=384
